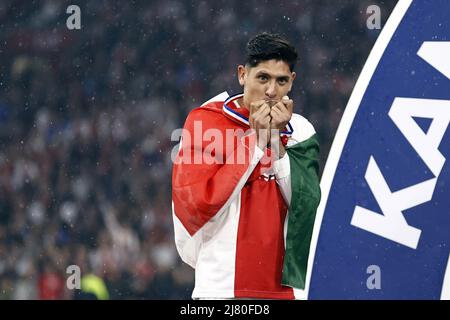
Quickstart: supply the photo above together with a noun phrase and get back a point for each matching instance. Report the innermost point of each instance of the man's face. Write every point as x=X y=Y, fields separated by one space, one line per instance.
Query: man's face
x=269 y=80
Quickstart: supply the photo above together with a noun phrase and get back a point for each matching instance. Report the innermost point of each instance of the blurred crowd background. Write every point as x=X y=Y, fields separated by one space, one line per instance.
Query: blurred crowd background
x=86 y=118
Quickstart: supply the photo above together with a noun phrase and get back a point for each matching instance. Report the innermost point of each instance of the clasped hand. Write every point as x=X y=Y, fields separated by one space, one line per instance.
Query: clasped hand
x=268 y=118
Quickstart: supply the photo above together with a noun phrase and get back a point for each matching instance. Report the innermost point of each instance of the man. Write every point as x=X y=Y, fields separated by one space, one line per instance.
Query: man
x=245 y=183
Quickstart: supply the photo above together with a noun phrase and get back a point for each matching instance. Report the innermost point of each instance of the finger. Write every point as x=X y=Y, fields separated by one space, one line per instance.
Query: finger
x=265 y=114
x=263 y=111
x=279 y=118
x=271 y=103
x=280 y=107
x=263 y=121
x=283 y=106
x=255 y=117
x=285 y=109
x=289 y=103
x=255 y=105
x=259 y=107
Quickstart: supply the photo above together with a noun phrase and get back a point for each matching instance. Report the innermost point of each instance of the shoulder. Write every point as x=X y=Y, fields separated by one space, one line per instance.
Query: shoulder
x=302 y=129
x=214 y=104
x=210 y=112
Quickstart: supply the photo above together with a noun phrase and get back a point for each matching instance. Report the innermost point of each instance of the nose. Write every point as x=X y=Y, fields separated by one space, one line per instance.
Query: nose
x=271 y=91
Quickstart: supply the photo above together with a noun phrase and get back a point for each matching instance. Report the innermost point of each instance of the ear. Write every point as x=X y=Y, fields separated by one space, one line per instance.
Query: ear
x=293 y=75
x=241 y=74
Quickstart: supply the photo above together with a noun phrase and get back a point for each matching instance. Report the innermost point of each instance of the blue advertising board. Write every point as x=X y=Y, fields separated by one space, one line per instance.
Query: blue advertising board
x=383 y=227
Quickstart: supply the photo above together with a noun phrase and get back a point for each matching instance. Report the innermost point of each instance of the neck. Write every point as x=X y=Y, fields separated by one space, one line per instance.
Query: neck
x=242 y=103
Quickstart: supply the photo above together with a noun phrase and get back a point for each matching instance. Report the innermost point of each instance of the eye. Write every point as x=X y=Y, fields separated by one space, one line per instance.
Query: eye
x=282 y=81
x=262 y=77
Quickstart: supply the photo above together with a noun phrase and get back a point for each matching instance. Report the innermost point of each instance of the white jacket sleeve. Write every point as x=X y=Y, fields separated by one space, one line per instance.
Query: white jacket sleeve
x=282 y=171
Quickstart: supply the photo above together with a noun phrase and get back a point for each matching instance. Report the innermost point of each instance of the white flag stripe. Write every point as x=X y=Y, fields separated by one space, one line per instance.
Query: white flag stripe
x=436 y=53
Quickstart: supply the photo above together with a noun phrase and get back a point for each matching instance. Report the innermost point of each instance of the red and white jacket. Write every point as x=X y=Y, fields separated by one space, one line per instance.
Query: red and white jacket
x=230 y=216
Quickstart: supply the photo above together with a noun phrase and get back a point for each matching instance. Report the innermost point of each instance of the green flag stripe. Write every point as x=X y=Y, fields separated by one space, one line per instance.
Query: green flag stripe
x=303 y=158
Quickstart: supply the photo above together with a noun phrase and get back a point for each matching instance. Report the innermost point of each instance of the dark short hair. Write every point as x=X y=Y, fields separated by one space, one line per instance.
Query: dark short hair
x=267 y=46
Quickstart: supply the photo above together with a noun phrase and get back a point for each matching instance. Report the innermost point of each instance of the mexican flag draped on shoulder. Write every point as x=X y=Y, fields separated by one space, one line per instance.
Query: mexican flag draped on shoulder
x=242 y=220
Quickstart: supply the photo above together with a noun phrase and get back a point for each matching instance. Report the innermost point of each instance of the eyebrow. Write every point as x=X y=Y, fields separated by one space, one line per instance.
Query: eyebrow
x=265 y=73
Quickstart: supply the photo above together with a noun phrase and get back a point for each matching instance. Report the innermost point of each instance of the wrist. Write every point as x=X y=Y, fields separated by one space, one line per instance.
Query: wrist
x=261 y=144
x=277 y=146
